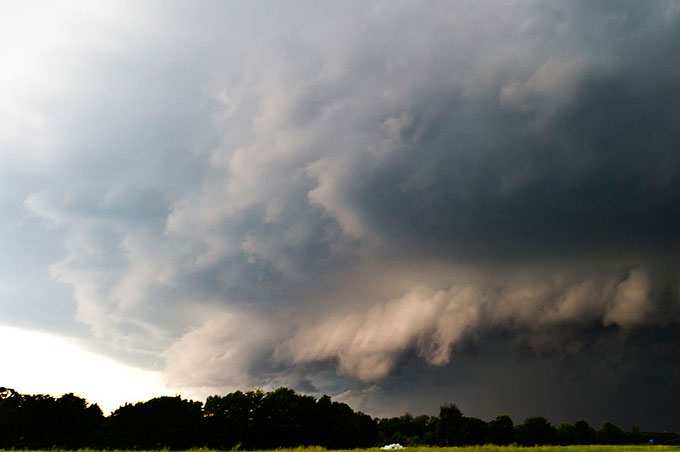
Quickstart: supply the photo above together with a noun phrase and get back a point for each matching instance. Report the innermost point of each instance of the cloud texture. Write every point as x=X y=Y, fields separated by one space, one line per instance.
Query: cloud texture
x=356 y=198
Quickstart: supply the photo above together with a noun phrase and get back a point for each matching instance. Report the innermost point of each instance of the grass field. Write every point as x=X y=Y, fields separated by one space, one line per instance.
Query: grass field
x=581 y=448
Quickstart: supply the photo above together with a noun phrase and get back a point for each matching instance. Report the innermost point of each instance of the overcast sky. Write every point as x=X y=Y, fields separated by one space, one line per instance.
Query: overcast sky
x=397 y=203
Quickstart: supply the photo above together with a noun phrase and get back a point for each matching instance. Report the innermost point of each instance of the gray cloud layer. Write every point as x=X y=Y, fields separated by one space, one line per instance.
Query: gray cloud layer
x=346 y=200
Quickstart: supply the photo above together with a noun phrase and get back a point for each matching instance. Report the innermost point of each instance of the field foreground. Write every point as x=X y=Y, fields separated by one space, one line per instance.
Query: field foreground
x=573 y=448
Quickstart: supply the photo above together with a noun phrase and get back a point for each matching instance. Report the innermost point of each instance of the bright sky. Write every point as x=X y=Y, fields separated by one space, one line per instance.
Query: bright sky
x=36 y=362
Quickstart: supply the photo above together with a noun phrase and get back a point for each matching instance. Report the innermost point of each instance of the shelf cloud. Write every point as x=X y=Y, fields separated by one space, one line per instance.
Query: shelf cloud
x=356 y=198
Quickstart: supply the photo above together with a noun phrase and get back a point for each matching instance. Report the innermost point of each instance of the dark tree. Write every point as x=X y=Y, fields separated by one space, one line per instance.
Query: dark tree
x=284 y=419
x=10 y=406
x=41 y=421
x=536 y=431
x=341 y=428
x=501 y=430
x=566 y=434
x=585 y=434
x=450 y=425
x=275 y=419
x=162 y=422
x=473 y=431
x=610 y=434
x=76 y=423
x=230 y=419
x=408 y=430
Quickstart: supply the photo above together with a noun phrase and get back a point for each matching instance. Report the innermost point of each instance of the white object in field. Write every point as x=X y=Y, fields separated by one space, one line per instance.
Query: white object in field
x=395 y=446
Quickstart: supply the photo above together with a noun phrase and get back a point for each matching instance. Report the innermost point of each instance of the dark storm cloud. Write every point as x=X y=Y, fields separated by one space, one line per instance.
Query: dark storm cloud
x=629 y=380
x=575 y=154
x=602 y=173
x=372 y=197
x=599 y=174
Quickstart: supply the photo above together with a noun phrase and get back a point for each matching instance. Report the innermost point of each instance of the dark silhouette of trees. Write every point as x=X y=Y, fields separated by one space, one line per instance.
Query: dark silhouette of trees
x=41 y=421
x=450 y=425
x=340 y=427
x=10 y=408
x=473 y=431
x=282 y=418
x=585 y=434
x=501 y=430
x=566 y=433
x=611 y=434
x=269 y=420
x=536 y=431
x=408 y=430
x=162 y=422
x=360 y=424
x=75 y=421
x=230 y=419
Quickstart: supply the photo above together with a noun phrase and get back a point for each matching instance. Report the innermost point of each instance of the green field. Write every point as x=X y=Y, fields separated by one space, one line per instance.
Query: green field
x=577 y=448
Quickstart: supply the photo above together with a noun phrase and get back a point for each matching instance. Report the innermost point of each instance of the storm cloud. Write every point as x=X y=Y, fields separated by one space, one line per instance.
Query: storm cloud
x=359 y=198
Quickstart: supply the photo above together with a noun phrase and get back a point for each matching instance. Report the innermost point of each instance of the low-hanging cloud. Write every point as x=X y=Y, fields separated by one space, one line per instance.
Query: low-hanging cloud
x=368 y=344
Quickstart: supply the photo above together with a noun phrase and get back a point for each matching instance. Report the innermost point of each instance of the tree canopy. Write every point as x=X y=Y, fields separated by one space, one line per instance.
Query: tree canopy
x=267 y=420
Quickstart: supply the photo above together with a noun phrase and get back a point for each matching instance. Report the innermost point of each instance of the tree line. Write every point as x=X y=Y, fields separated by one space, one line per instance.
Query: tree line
x=268 y=420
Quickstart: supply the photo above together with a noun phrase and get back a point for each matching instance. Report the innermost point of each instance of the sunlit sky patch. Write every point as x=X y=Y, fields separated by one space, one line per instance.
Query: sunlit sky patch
x=40 y=363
